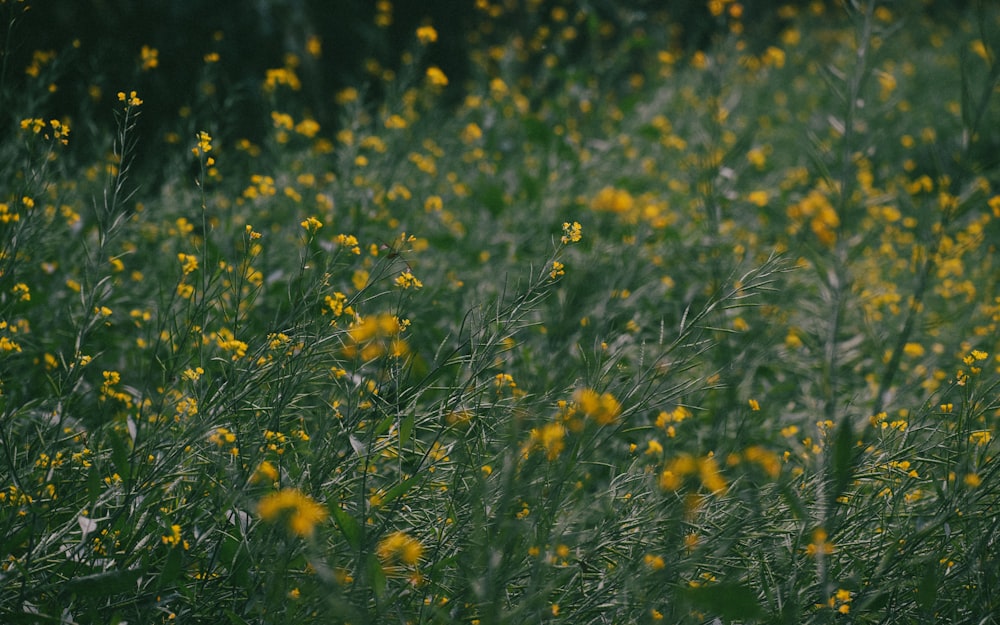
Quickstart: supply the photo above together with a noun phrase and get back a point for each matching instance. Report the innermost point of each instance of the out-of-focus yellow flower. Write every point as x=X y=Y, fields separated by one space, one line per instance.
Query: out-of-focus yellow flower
x=302 y=512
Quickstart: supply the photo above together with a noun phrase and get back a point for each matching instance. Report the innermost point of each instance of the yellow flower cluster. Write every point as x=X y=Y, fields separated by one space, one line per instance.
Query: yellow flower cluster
x=822 y=217
x=131 y=100
x=53 y=129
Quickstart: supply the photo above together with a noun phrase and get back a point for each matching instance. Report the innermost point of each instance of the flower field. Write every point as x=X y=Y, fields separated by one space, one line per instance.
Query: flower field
x=637 y=334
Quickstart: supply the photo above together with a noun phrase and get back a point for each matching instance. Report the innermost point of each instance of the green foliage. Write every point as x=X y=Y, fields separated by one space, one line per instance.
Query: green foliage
x=681 y=336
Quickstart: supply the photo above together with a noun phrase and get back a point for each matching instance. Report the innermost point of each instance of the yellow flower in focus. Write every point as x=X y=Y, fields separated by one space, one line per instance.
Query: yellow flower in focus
x=311 y=225
x=189 y=262
x=204 y=144
x=131 y=100
x=558 y=269
x=301 y=512
x=407 y=280
x=572 y=232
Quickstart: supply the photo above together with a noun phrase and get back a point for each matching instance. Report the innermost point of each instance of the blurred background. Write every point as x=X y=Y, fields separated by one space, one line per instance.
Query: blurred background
x=209 y=58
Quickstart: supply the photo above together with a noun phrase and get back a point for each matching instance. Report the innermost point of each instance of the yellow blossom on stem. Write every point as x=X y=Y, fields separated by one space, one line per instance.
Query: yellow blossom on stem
x=204 y=145
x=132 y=100
x=407 y=280
x=311 y=225
x=558 y=269
x=572 y=232
x=189 y=263
x=174 y=539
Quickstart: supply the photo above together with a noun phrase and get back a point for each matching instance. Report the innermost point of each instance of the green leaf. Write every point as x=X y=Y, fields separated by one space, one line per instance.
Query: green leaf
x=728 y=601
x=399 y=489
x=348 y=526
x=793 y=500
x=235 y=557
x=383 y=426
x=234 y=618
x=120 y=454
x=94 y=485
x=172 y=568
x=376 y=576
x=405 y=429
x=842 y=458
x=928 y=587
x=104 y=584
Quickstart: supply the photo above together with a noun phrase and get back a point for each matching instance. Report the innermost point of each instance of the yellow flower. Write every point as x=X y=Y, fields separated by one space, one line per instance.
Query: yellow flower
x=314 y=46
x=426 y=34
x=654 y=562
x=436 y=77
x=406 y=280
x=346 y=96
x=302 y=512
x=189 y=263
x=471 y=133
x=758 y=198
x=174 y=537
x=399 y=547
x=612 y=200
x=980 y=437
x=311 y=225
x=603 y=408
x=708 y=471
x=550 y=438
x=395 y=122
x=820 y=544
x=131 y=100
x=558 y=269
x=572 y=232
x=307 y=128
x=22 y=291
x=150 y=58
x=266 y=472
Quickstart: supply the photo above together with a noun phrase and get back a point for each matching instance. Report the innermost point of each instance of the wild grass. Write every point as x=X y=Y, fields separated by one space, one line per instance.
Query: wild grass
x=706 y=337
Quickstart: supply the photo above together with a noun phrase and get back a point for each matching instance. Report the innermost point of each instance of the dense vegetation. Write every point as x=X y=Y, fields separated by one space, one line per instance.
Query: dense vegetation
x=627 y=331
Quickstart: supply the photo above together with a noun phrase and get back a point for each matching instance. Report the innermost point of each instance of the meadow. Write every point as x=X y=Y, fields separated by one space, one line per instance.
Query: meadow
x=639 y=335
